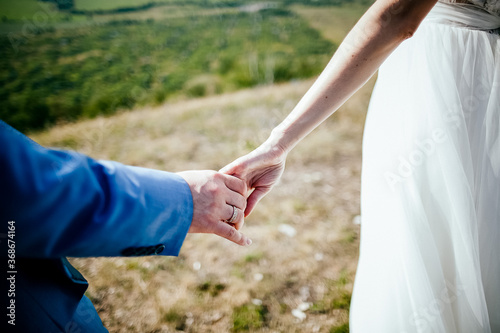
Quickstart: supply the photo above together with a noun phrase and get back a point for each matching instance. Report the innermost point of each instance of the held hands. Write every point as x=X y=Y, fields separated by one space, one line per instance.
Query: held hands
x=219 y=202
x=261 y=169
x=220 y=199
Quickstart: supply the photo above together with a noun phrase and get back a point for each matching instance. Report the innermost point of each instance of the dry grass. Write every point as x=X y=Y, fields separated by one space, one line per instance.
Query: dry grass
x=318 y=196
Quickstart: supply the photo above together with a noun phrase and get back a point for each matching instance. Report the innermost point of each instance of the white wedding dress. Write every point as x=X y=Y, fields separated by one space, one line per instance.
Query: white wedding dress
x=430 y=232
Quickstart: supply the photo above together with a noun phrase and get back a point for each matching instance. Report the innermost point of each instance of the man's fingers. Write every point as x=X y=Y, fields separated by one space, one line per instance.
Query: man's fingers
x=225 y=230
x=239 y=221
x=229 y=211
x=237 y=200
x=235 y=184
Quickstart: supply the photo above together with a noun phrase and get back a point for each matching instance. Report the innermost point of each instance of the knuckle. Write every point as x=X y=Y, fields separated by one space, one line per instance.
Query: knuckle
x=218 y=176
x=232 y=233
x=213 y=190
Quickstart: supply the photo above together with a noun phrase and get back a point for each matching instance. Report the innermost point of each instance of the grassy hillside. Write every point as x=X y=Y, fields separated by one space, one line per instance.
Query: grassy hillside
x=118 y=5
x=113 y=4
x=56 y=66
x=84 y=72
x=16 y=10
x=19 y=9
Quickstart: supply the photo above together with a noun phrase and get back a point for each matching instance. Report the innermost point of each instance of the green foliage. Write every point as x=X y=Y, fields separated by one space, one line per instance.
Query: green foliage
x=337 y=297
x=344 y=328
x=19 y=9
x=343 y=279
x=340 y=300
x=61 y=4
x=254 y=257
x=173 y=316
x=120 y=6
x=328 y=2
x=350 y=236
x=343 y=301
x=249 y=317
x=214 y=289
x=85 y=72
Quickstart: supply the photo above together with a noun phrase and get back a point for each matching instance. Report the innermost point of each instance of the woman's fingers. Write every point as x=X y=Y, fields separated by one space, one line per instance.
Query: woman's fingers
x=254 y=199
x=235 y=184
x=230 y=169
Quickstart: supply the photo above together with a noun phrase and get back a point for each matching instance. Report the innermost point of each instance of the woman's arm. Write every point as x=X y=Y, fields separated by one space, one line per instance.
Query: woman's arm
x=382 y=28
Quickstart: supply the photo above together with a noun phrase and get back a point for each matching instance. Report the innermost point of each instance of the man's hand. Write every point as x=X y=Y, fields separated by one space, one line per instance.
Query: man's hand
x=214 y=196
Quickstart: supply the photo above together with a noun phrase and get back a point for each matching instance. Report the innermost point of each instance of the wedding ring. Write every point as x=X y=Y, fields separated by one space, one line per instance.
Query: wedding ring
x=235 y=214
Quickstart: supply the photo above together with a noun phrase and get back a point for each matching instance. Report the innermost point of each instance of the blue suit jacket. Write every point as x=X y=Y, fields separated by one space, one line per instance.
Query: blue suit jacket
x=66 y=204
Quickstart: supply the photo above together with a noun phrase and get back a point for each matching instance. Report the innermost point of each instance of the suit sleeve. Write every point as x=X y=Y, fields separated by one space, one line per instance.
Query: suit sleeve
x=66 y=204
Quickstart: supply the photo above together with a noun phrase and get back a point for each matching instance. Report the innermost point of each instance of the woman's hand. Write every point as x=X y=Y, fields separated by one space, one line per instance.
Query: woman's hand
x=261 y=169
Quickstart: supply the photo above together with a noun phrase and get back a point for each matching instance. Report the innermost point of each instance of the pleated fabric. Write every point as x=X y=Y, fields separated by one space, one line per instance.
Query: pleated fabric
x=430 y=203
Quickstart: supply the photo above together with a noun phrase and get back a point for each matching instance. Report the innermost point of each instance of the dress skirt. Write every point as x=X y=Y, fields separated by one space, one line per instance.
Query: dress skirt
x=430 y=203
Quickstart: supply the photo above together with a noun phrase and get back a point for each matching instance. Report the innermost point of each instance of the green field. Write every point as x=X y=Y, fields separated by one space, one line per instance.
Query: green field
x=19 y=9
x=60 y=66
x=16 y=10
x=84 y=72
x=108 y=5
x=113 y=4
x=29 y=10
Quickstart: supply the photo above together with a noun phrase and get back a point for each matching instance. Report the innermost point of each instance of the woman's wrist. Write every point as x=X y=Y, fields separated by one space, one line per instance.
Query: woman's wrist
x=279 y=142
x=271 y=150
